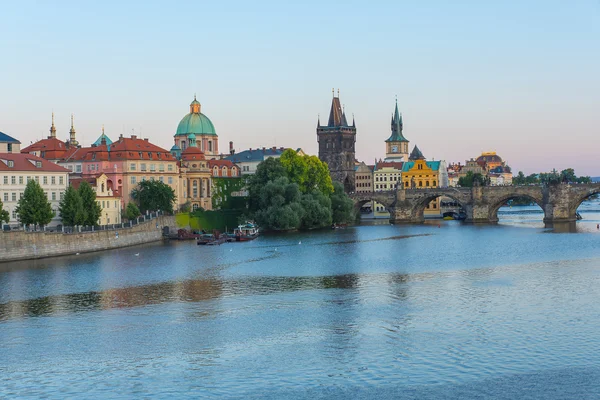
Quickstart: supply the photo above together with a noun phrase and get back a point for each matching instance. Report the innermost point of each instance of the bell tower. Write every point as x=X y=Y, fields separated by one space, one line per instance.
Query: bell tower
x=337 y=144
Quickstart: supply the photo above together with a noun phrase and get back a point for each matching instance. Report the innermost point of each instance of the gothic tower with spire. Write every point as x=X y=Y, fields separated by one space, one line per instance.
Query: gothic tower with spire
x=337 y=145
x=396 y=146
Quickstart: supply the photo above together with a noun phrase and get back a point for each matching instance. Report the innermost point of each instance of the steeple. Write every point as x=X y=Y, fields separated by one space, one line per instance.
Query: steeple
x=397 y=127
x=336 y=115
x=353 y=123
x=53 y=128
x=318 y=120
x=72 y=140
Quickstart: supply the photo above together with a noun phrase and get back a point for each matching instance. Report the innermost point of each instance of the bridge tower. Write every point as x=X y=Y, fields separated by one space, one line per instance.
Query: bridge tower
x=337 y=144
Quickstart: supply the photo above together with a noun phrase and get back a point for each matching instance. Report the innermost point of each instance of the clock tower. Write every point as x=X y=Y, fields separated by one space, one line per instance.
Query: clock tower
x=396 y=146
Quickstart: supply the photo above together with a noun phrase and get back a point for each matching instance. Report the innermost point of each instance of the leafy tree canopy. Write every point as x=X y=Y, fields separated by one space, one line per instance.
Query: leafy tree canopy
x=71 y=208
x=153 y=196
x=473 y=179
x=342 y=206
x=34 y=208
x=132 y=211
x=308 y=172
x=4 y=215
x=93 y=210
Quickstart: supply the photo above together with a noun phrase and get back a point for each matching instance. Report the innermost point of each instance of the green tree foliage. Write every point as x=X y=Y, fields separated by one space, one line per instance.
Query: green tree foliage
x=93 y=210
x=71 y=208
x=472 y=179
x=4 y=215
x=222 y=191
x=132 y=211
x=342 y=206
x=34 y=207
x=317 y=210
x=308 y=172
x=153 y=196
x=550 y=178
x=278 y=205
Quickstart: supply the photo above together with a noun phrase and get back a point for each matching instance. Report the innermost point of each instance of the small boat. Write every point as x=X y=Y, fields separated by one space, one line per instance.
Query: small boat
x=245 y=232
x=215 y=238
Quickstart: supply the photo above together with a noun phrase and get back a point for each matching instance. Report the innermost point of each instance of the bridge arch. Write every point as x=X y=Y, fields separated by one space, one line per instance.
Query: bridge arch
x=580 y=198
x=418 y=209
x=495 y=206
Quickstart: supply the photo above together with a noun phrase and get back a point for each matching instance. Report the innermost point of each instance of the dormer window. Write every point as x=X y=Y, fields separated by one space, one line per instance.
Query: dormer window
x=38 y=164
x=150 y=155
x=11 y=164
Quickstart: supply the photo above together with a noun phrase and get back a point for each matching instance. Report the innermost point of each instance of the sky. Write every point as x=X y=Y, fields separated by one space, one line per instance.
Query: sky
x=521 y=78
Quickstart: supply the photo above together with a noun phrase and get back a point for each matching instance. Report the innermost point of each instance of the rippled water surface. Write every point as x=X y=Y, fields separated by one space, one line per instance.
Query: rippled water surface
x=424 y=311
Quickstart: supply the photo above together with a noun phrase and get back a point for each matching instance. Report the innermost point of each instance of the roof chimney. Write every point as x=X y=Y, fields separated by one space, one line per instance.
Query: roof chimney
x=134 y=136
x=146 y=139
x=231 y=150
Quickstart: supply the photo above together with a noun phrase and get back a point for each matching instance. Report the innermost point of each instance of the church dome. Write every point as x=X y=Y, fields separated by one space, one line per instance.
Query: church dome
x=195 y=122
x=490 y=157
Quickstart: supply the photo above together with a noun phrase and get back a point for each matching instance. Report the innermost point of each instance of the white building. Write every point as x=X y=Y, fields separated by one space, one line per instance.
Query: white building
x=9 y=144
x=17 y=169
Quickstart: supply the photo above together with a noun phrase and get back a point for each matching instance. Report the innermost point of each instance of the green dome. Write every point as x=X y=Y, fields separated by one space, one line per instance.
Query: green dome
x=195 y=123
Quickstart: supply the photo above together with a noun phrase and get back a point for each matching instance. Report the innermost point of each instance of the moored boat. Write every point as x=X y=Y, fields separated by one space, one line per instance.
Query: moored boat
x=245 y=232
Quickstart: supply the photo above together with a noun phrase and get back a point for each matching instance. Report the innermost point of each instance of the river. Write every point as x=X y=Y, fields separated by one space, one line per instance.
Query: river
x=432 y=311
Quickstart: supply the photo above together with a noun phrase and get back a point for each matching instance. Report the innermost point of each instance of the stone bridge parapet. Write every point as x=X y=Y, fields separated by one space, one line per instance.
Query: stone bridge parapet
x=558 y=202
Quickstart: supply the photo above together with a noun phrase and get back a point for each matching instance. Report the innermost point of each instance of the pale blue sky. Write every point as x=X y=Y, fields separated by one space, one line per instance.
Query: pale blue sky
x=518 y=77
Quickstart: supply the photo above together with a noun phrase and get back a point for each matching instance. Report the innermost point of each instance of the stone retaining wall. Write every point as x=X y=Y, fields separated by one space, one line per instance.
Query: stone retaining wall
x=30 y=245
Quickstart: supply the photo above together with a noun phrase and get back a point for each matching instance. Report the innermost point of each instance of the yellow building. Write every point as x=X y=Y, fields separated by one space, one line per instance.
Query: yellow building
x=195 y=175
x=419 y=173
x=107 y=198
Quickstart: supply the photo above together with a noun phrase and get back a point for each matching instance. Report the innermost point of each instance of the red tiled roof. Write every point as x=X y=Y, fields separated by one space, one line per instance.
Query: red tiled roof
x=27 y=162
x=53 y=148
x=192 y=153
x=221 y=163
x=393 y=164
x=127 y=149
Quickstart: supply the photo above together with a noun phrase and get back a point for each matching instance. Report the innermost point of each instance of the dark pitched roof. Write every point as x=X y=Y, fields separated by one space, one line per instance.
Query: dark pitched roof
x=397 y=126
x=416 y=154
x=255 y=154
x=336 y=115
x=7 y=139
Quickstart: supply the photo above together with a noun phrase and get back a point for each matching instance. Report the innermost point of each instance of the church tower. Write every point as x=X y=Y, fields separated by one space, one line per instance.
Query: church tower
x=336 y=144
x=396 y=146
x=52 y=129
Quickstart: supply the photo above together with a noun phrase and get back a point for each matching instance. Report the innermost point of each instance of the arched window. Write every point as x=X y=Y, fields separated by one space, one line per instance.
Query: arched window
x=195 y=207
x=420 y=183
x=426 y=183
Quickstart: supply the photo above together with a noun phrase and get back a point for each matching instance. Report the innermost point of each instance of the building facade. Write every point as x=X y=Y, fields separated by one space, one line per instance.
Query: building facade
x=363 y=178
x=17 y=169
x=195 y=177
x=9 y=144
x=109 y=200
x=337 y=145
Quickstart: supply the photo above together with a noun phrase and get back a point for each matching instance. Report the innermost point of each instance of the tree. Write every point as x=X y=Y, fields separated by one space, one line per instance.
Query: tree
x=4 y=215
x=519 y=179
x=308 y=172
x=34 y=208
x=93 y=210
x=472 y=179
x=153 y=196
x=341 y=205
x=278 y=205
x=317 y=210
x=568 y=175
x=132 y=211
x=71 y=208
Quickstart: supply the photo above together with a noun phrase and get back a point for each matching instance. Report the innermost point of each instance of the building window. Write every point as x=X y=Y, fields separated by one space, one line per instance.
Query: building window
x=14 y=214
x=152 y=167
x=53 y=180
x=61 y=195
x=233 y=171
x=6 y=197
x=420 y=183
x=215 y=171
x=14 y=197
x=132 y=167
x=37 y=179
x=170 y=167
x=21 y=180
x=434 y=183
x=162 y=179
x=38 y=164
x=161 y=167
x=20 y=195
x=45 y=180
x=427 y=183
x=170 y=180
x=53 y=195
x=5 y=180
x=209 y=145
x=9 y=147
x=143 y=167
x=133 y=182
x=78 y=168
x=115 y=204
x=61 y=180
x=13 y=180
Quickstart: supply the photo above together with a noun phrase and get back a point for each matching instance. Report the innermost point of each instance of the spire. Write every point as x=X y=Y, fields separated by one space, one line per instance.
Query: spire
x=102 y=129
x=72 y=140
x=318 y=120
x=344 y=121
x=397 y=127
x=335 y=115
x=353 y=123
x=52 y=128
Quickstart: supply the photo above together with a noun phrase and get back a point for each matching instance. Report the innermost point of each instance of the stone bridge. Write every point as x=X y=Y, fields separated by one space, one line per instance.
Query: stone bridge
x=559 y=202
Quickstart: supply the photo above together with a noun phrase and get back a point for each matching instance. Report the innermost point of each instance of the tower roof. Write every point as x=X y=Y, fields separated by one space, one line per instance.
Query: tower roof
x=336 y=115
x=416 y=154
x=397 y=126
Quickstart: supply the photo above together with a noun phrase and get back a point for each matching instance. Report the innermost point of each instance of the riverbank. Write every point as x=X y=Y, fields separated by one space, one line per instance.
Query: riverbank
x=22 y=245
